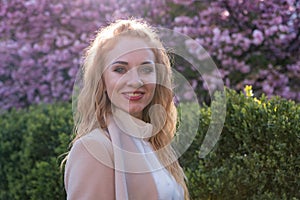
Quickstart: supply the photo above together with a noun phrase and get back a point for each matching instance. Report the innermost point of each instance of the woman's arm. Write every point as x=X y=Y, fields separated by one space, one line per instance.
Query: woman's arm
x=86 y=178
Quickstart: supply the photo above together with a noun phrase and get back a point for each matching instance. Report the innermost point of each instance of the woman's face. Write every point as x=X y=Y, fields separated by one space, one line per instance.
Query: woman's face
x=130 y=75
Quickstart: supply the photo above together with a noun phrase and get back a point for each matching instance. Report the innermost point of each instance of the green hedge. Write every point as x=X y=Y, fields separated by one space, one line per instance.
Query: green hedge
x=256 y=157
x=31 y=142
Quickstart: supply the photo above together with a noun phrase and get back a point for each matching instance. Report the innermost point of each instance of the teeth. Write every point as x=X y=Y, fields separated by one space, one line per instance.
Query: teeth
x=133 y=94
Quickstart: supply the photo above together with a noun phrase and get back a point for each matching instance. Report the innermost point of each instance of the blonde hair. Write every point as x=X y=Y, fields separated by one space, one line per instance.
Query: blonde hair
x=93 y=106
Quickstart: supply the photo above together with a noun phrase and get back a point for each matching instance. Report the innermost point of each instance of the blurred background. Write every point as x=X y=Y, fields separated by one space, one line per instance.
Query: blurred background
x=253 y=43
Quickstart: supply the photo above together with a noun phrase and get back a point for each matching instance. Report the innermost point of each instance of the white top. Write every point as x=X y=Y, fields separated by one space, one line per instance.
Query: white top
x=167 y=187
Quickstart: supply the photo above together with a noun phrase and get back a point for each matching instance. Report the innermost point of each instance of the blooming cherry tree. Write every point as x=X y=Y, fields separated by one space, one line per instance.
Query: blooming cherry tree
x=252 y=42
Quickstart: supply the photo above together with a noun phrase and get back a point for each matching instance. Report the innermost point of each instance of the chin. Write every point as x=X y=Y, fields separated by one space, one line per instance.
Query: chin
x=135 y=112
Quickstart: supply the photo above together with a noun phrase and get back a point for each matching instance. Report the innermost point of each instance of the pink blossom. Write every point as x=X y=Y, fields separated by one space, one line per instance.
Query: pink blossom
x=183 y=2
x=192 y=45
x=268 y=89
x=257 y=37
x=271 y=30
x=216 y=32
x=245 y=69
x=42 y=43
x=188 y=95
x=183 y=20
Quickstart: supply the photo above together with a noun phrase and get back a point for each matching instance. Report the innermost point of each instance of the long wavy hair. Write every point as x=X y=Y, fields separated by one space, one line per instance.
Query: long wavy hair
x=94 y=106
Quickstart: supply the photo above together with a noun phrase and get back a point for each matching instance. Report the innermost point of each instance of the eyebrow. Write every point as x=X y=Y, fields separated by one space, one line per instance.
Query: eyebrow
x=126 y=63
x=120 y=62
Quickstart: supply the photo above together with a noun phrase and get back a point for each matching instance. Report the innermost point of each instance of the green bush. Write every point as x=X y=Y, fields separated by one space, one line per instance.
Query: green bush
x=256 y=157
x=31 y=142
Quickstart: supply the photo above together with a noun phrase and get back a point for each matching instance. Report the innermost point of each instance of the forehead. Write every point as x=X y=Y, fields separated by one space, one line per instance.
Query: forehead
x=130 y=48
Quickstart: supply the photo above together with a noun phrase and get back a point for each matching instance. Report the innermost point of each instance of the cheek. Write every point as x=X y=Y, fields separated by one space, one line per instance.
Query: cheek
x=109 y=85
x=113 y=87
x=109 y=88
x=149 y=80
x=108 y=79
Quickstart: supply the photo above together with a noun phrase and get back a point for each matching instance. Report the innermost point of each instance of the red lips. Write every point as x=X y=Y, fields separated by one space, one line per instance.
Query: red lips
x=134 y=96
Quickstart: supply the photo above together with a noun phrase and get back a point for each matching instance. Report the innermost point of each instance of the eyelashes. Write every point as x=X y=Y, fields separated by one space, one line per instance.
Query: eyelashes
x=120 y=70
x=143 y=69
x=146 y=69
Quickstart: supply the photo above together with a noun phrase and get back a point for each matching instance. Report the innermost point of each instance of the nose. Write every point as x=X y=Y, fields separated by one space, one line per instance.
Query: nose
x=134 y=79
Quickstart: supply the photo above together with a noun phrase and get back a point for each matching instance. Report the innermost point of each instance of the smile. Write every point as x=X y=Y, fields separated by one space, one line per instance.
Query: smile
x=134 y=95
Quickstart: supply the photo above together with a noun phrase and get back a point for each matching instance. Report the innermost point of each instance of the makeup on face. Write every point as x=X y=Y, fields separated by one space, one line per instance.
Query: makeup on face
x=130 y=77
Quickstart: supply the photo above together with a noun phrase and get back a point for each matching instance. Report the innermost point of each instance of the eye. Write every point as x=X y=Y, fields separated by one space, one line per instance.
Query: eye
x=120 y=69
x=146 y=69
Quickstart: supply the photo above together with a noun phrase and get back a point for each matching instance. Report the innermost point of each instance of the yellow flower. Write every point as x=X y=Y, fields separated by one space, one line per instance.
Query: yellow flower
x=265 y=105
x=248 y=91
x=257 y=101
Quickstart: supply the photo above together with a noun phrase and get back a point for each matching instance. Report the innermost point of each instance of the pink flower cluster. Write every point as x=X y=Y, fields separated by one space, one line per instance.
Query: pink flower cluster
x=252 y=42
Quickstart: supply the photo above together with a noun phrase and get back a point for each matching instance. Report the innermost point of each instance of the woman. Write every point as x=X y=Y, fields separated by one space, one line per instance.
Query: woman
x=125 y=120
